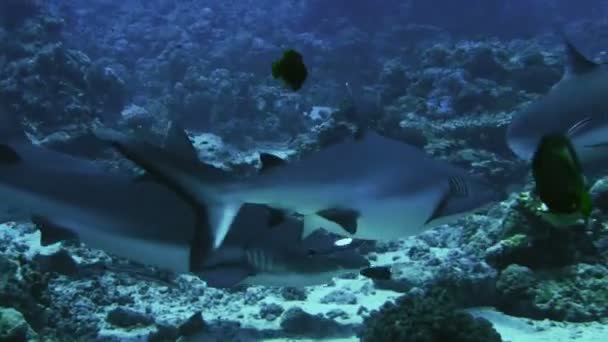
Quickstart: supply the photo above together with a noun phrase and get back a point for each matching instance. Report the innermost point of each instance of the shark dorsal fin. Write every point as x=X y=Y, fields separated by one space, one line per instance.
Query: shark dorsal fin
x=8 y=155
x=178 y=142
x=270 y=161
x=577 y=63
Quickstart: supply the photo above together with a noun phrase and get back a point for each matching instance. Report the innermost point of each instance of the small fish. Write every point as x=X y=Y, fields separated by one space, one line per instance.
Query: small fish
x=558 y=176
x=377 y=273
x=291 y=69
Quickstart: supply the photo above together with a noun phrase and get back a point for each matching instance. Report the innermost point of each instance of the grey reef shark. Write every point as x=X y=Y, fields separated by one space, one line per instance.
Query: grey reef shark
x=368 y=187
x=576 y=106
x=71 y=198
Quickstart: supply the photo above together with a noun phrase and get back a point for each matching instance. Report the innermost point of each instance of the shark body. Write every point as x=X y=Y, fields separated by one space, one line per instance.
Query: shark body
x=146 y=222
x=109 y=212
x=577 y=106
x=255 y=254
x=370 y=188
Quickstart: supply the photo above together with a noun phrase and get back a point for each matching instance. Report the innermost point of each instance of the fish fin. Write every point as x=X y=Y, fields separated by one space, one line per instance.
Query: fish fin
x=311 y=225
x=221 y=217
x=50 y=232
x=182 y=176
x=178 y=142
x=439 y=209
x=212 y=224
x=276 y=217
x=225 y=277
x=8 y=155
x=270 y=161
x=457 y=188
x=577 y=63
x=346 y=218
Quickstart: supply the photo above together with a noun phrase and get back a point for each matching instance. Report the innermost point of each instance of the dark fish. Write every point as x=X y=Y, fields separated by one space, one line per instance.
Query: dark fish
x=377 y=272
x=559 y=178
x=291 y=69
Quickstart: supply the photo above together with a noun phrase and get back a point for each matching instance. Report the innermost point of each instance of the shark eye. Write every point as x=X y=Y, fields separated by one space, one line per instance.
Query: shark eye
x=311 y=252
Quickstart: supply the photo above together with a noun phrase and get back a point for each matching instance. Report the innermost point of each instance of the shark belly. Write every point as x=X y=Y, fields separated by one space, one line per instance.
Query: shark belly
x=172 y=257
x=386 y=218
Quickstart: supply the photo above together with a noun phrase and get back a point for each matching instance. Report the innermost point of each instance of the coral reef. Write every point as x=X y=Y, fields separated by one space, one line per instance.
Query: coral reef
x=144 y=63
x=425 y=318
x=49 y=85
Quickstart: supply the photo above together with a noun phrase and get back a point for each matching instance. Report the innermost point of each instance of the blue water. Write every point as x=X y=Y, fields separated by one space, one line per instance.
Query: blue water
x=445 y=76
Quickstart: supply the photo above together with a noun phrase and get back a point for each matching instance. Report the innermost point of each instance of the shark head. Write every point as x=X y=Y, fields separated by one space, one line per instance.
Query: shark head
x=256 y=254
x=320 y=253
x=576 y=106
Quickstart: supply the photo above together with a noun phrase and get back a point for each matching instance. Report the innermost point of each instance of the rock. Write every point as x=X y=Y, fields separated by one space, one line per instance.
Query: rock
x=13 y=327
x=60 y=262
x=192 y=325
x=339 y=297
x=515 y=280
x=271 y=311
x=164 y=333
x=299 y=322
x=293 y=293
x=125 y=317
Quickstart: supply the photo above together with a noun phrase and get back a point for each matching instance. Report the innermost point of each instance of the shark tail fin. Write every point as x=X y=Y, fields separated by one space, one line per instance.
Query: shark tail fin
x=191 y=180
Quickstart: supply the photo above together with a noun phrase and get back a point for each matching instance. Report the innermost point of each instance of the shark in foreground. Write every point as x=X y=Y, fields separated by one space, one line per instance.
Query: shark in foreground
x=72 y=198
x=576 y=106
x=141 y=221
x=370 y=187
x=254 y=254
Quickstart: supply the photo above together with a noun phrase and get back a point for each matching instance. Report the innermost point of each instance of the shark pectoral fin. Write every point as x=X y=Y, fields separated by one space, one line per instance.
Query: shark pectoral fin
x=221 y=216
x=270 y=161
x=311 y=225
x=8 y=155
x=51 y=233
x=178 y=142
x=438 y=211
x=276 y=217
x=346 y=218
x=457 y=187
x=225 y=277
x=211 y=227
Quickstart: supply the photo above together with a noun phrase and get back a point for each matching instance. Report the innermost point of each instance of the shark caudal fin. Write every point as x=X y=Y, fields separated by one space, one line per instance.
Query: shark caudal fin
x=178 y=168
